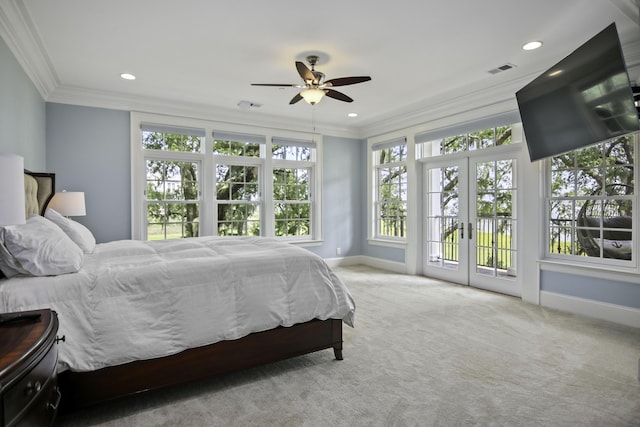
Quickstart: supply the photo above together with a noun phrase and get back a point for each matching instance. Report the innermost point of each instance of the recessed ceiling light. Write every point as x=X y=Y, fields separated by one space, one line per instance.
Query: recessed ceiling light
x=555 y=73
x=532 y=45
x=128 y=76
x=352 y=114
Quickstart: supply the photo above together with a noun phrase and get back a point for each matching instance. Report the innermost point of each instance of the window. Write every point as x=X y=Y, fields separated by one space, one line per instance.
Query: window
x=473 y=136
x=238 y=184
x=478 y=140
x=172 y=201
x=439 y=145
x=194 y=179
x=293 y=175
x=390 y=205
x=238 y=200
x=590 y=202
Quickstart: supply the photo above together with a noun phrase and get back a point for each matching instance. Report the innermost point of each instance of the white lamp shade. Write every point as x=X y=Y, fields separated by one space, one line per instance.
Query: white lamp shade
x=69 y=203
x=12 y=210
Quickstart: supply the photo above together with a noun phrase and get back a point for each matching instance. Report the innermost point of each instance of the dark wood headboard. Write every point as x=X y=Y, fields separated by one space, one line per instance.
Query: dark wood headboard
x=39 y=190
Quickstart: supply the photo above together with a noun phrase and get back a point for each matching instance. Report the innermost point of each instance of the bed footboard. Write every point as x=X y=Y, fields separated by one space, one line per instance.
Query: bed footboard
x=81 y=389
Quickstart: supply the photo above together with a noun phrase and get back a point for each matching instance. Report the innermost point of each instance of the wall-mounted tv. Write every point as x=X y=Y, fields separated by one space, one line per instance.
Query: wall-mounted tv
x=583 y=99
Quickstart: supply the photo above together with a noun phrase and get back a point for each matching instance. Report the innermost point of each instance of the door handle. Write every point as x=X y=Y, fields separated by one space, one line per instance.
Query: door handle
x=461 y=228
x=470 y=230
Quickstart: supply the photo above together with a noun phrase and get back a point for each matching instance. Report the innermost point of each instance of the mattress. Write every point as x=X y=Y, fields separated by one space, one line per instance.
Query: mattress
x=135 y=300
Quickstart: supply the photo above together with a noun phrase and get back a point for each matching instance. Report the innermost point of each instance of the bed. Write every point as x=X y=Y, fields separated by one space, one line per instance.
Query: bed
x=136 y=316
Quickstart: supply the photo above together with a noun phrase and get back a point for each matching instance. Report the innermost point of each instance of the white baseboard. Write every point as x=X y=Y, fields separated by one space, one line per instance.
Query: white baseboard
x=383 y=264
x=395 y=267
x=600 y=310
x=343 y=261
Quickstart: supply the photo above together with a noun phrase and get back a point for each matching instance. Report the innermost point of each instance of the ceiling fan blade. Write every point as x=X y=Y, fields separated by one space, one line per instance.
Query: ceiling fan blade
x=304 y=72
x=295 y=99
x=275 y=84
x=337 y=95
x=343 y=81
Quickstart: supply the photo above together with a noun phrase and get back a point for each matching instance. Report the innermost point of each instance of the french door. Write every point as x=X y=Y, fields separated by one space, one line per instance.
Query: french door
x=470 y=222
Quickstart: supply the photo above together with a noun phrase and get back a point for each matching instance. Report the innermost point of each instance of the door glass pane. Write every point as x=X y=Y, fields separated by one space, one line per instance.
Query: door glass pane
x=495 y=223
x=442 y=217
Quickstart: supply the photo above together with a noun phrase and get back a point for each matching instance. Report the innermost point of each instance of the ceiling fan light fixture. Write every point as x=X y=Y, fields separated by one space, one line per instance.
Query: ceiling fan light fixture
x=312 y=96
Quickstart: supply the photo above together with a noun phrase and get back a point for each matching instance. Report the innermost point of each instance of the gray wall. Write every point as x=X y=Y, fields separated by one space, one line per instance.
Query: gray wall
x=342 y=208
x=22 y=113
x=625 y=294
x=88 y=149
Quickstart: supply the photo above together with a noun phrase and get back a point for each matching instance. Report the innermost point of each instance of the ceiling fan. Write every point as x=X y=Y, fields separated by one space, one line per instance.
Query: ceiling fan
x=315 y=86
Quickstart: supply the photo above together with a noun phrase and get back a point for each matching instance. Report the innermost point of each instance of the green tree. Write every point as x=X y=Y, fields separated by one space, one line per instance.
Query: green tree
x=487 y=173
x=392 y=191
x=237 y=184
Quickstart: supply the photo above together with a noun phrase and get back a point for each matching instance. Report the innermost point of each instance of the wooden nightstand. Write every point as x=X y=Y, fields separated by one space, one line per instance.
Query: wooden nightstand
x=29 y=393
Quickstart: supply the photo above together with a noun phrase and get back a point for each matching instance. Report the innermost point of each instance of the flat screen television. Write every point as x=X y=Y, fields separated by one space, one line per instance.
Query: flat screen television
x=583 y=99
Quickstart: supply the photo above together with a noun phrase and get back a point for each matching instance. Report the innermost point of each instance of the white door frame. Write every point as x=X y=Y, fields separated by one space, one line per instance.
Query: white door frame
x=466 y=271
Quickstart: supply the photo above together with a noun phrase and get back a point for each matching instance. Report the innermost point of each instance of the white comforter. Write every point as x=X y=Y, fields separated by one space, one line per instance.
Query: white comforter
x=139 y=300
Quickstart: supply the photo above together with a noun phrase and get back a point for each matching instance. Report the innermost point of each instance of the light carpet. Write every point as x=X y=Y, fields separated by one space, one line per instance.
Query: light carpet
x=423 y=353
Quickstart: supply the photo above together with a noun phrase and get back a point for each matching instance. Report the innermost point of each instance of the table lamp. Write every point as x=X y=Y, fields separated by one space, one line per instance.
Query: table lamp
x=69 y=203
x=12 y=209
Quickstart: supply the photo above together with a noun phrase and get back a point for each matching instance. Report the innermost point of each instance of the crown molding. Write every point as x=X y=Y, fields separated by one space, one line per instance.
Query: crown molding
x=462 y=104
x=118 y=101
x=632 y=60
x=629 y=8
x=20 y=36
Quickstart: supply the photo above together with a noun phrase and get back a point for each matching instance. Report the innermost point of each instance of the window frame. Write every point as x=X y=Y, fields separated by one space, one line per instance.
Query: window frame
x=245 y=162
x=161 y=155
x=374 y=166
x=600 y=262
x=207 y=176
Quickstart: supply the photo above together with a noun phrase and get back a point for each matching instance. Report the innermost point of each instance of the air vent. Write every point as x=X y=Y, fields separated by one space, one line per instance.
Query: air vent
x=502 y=68
x=245 y=105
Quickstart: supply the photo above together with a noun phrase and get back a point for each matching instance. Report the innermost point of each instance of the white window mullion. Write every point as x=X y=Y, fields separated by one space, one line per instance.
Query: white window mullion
x=268 y=220
x=316 y=191
x=208 y=215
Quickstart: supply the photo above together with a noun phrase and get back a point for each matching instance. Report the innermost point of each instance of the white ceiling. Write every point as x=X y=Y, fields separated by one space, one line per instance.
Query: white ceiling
x=427 y=58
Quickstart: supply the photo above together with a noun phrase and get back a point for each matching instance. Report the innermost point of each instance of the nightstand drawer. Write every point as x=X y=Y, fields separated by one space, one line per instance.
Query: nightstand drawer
x=29 y=390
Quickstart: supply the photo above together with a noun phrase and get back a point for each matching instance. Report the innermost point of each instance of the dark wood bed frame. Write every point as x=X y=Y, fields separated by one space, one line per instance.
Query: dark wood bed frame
x=80 y=389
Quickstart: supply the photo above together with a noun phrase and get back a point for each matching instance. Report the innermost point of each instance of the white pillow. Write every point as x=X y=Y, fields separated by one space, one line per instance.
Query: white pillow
x=80 y=234
x=38 y=248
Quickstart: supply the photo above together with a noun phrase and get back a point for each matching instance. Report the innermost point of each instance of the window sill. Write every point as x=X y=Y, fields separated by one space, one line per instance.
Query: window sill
x=401 y=244
x=601 y=271
x=304 y=243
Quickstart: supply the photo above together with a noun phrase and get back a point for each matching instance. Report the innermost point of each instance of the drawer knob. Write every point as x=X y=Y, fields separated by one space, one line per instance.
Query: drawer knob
x=33 y=388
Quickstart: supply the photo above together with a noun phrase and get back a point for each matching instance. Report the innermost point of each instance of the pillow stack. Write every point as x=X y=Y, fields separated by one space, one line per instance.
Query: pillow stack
x=77 y=232
x=44 y=246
